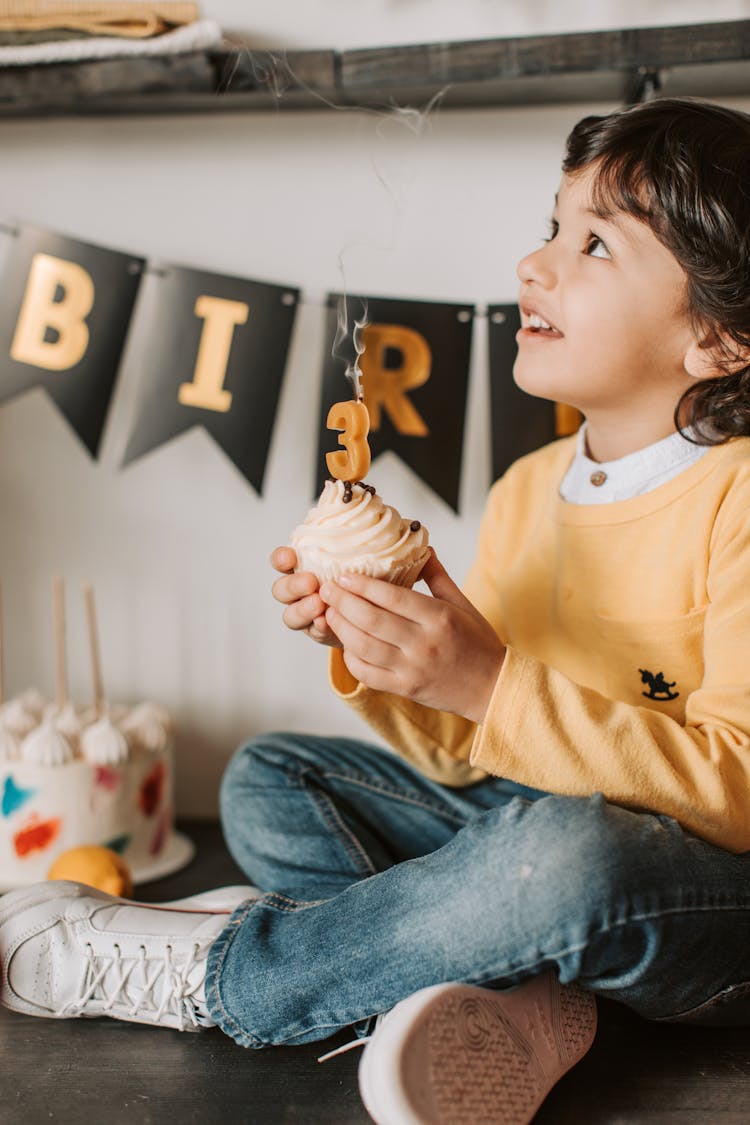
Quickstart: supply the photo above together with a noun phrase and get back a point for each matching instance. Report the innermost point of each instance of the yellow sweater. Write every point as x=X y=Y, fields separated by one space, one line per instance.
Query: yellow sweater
x=627 y=628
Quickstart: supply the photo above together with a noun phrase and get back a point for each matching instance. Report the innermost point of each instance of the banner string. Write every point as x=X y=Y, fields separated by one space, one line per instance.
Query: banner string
x=480 y=310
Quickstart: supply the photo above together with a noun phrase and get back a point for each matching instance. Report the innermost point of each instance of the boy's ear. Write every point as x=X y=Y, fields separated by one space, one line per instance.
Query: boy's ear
x=713 y=357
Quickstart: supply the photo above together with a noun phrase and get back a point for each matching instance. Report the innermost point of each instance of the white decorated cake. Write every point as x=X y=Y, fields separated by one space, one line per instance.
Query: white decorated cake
x=69 y=777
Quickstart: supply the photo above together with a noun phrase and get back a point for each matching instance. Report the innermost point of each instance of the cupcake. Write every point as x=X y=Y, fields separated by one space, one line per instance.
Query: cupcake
x=351 y=529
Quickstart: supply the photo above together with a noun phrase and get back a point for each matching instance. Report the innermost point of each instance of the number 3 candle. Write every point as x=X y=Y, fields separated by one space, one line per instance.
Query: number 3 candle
x=353 y=461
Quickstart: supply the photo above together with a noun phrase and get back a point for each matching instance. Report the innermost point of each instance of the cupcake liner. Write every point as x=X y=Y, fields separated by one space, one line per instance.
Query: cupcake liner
x=404 y=574
x=407 y=575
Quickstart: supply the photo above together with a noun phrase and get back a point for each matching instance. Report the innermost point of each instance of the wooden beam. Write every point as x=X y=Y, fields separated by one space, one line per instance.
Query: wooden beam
x=588 y=52
x=85 y=87
x=553 y=68
x=708 y=59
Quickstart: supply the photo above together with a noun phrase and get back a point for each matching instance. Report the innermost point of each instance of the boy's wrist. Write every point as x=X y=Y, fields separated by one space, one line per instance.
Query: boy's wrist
x=484 y=697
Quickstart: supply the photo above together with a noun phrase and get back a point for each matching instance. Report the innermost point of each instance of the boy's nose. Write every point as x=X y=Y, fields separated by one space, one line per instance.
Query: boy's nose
x=537 y=267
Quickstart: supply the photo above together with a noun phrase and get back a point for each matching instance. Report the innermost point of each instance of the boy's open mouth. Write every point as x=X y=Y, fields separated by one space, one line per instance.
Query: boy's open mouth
x=536 y=325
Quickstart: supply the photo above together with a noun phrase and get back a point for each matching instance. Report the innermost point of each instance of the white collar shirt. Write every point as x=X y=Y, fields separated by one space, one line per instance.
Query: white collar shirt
x=593 y=482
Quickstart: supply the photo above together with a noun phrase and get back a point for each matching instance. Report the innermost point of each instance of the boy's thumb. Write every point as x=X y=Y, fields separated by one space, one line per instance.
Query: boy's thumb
x=442 y=585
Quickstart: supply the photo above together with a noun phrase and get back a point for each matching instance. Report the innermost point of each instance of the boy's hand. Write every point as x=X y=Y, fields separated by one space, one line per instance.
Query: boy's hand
x=437 y=650
x=305 y=611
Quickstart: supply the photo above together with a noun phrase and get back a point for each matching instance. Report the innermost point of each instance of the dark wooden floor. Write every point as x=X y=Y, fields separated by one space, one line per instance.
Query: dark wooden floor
x=102 y=1072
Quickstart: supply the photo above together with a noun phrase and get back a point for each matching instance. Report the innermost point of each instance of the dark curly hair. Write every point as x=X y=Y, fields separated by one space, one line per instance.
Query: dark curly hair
x=683 y=167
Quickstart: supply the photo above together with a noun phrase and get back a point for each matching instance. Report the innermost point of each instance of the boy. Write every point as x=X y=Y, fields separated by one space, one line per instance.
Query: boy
x=570 y=798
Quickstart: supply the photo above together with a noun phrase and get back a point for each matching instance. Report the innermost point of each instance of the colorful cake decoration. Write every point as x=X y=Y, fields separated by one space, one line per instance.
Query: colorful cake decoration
x=92 y=776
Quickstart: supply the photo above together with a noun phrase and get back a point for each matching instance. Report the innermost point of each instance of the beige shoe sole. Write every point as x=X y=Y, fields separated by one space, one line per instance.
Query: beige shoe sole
x=454 y=1054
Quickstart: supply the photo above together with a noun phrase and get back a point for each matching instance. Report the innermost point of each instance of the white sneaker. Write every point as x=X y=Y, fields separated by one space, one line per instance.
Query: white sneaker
x=453 y=1054
x=69 y=950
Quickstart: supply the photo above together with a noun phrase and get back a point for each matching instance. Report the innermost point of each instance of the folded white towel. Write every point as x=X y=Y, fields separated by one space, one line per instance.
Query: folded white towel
x=197 y=36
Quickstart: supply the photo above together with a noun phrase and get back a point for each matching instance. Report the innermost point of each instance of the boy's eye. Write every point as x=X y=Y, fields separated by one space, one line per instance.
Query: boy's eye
x=595 y=248
x=554 y=226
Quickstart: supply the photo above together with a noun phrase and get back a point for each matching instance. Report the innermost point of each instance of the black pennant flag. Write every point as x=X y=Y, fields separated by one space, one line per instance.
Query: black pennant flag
x=63 y=322
x=415 y=375
x=521 y=423
x=216 y=353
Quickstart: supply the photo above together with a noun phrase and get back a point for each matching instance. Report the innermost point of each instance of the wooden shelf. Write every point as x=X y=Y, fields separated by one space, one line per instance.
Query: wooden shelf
x=705 y=60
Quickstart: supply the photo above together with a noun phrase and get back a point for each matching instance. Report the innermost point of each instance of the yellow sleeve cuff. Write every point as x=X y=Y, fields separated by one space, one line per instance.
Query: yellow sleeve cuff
x=340 y=678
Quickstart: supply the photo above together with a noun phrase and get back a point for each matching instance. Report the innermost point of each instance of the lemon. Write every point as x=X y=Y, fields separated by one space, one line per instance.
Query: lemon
x=95 y=866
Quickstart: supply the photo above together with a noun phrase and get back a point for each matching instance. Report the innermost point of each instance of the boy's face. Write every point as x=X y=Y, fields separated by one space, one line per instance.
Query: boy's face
x=604 y=320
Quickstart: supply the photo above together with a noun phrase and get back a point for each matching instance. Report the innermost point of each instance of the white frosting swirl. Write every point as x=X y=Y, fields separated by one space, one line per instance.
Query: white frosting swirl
x=16 y=717
x=362 y=535
x=47 y=746
x=148 y=726
x=104 y=744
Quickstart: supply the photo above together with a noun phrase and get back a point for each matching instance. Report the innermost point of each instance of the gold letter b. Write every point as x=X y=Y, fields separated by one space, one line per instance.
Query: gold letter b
x=67 y=317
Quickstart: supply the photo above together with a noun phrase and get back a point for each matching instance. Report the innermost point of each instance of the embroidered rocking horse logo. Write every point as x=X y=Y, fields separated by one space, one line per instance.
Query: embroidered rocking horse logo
x=658 y=688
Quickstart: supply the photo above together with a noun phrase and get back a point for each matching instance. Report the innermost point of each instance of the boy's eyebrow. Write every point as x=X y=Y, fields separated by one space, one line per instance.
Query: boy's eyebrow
x=617 y=219
x=606 y=216
x=613 y=217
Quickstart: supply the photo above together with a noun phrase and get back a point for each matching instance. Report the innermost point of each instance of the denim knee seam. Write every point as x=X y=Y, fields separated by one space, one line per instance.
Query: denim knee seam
x=361 y=861
x=393 y=791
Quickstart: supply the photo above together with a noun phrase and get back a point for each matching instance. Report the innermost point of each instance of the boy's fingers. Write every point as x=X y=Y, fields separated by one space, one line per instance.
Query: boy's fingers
x=284 y=559
x=366 y=616
x=291 y=587
x=442 y=585
x=301 y=613
x=373 y=650
x=395 y=599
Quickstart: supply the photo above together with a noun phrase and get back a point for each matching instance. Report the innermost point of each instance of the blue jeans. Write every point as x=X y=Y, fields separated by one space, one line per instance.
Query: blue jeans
x=380 y=882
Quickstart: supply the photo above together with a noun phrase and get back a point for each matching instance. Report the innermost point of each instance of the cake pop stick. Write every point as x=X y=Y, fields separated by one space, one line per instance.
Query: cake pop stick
x=47 y=745
x=96 y=664
x=102 y=742
x=61 y=670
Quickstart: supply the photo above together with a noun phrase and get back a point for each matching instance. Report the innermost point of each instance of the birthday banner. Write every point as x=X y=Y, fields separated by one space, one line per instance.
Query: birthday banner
x=64 y=317
x=415 y=377
x=216 y=349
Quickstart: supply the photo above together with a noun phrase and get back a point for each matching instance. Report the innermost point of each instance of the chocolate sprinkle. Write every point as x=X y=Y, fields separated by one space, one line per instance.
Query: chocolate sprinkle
x=414 y=525
x=349 y=485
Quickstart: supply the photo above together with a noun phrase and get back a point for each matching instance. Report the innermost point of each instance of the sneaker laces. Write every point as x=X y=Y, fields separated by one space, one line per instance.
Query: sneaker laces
x=113 y=980
x=360 y=1041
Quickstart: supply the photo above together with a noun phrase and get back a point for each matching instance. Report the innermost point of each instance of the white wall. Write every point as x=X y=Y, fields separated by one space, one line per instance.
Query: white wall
x=177 y=544
x=342 y=24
